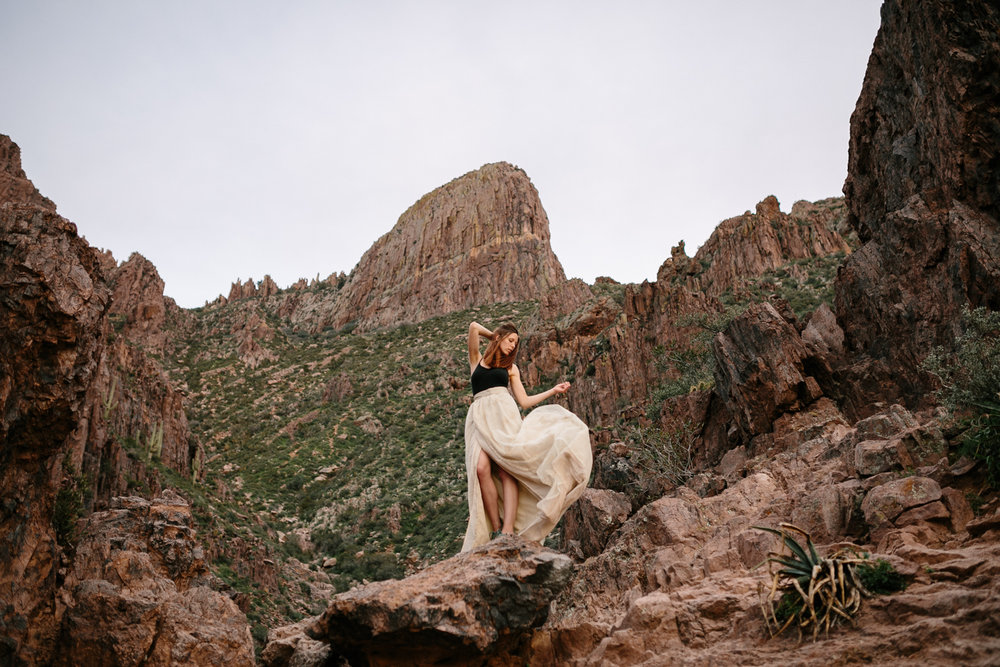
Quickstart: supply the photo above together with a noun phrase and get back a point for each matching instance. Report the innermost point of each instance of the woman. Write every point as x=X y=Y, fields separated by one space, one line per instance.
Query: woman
x=535 y=467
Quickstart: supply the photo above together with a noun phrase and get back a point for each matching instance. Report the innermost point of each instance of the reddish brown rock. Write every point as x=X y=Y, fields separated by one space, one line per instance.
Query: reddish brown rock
x=251 y=333
x=65 y=404
x=759 y=370
x=922 y=190
x=592 y=519
x=749 y=245
x=460 y=610
x=138 y=307
x=139 y=592
x=242 y=290
x=564 y=298
x=290 y=642
x=52 y=309
x=14 y=184
x=886 y=502
x=483 y=238
x=268 y=287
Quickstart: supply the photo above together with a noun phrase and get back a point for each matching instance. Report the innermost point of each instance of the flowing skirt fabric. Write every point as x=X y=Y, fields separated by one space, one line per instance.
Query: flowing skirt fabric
x=548 y=452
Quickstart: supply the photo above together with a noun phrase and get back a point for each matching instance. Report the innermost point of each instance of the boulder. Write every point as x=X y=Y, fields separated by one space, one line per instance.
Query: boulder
x=139 y=592
x=885 y=503
x=592 y=519
x=460 y=610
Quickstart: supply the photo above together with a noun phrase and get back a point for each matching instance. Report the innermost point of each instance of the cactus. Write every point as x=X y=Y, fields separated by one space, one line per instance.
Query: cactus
x=195 y=468
x=108 y=400
x=154 y=442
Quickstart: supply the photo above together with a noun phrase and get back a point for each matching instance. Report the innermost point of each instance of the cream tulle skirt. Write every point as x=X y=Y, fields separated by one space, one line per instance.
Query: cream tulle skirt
x=548 y=452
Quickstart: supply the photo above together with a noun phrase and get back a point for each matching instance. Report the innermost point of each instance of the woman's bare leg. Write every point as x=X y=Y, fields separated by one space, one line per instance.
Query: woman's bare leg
x=488 y=489
x=509 y=501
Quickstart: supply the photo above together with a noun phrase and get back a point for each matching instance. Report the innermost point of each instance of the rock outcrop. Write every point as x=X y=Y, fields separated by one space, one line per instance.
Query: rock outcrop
x=482 y=238
x=759 y=369
x=749 y=245
x=459 y=611
x=139 y=592
x=14 y=183
x=138 y=306
x=922 y=187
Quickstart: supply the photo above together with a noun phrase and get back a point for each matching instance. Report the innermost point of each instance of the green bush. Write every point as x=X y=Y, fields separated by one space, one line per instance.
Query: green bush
x=69 y=505
x=880 y=577
x=970 y=379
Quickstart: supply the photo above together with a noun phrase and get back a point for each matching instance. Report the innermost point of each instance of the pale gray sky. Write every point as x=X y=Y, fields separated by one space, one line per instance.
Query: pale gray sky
x=227 y=140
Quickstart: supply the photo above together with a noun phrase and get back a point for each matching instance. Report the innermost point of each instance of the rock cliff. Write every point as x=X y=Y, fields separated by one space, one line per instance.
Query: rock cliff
x=53 y=302
x=139 y=592
x=923 y=178
x=78 y=397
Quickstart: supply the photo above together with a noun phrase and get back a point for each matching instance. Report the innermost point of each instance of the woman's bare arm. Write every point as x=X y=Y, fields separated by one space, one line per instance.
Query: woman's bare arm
x=475 y=331
x=521 y=396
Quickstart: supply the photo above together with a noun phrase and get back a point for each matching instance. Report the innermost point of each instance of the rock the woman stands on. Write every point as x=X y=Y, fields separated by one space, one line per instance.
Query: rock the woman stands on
x=522 y=473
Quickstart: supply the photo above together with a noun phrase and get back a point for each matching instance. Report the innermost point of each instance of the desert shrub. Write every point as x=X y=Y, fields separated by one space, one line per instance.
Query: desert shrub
x=970 y=386
x=880 y=577
x=663 y=455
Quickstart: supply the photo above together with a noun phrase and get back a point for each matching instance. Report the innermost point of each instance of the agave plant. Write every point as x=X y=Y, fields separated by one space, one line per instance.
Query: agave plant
x=815 y=592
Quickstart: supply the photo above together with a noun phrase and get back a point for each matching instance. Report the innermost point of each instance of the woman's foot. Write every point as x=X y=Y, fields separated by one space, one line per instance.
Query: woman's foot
x=499 y=533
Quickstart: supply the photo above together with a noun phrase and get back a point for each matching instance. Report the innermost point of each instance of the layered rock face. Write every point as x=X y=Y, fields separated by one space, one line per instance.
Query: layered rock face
x=482 y=238
x=924 y=184
x=52 y=306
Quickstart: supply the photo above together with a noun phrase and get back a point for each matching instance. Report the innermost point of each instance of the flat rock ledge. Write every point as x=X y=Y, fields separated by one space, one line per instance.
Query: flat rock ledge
x=461 y=610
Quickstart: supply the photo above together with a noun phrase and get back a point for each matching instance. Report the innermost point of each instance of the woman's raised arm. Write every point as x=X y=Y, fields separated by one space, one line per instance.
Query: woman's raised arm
x=475 y=331
x=521 y=396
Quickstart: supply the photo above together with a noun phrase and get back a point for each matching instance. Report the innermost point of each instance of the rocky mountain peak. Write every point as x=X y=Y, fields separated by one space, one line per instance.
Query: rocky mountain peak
x=482 y=238
x=139 y=302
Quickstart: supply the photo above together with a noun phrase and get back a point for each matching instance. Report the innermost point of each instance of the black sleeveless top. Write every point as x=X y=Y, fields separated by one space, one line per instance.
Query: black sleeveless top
x=487 y=378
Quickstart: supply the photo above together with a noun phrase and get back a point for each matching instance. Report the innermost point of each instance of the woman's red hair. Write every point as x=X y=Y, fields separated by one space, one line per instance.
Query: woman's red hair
x=494 y=356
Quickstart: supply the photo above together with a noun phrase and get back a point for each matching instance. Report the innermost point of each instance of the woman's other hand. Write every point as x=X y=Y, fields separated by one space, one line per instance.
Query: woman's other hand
x=561 y=388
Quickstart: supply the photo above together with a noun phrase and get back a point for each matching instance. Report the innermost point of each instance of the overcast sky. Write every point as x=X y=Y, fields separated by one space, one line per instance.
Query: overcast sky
x=227 y=140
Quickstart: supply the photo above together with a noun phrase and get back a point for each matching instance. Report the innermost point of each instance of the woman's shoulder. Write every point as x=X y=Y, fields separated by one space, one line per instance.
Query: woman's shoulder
x=513 y=371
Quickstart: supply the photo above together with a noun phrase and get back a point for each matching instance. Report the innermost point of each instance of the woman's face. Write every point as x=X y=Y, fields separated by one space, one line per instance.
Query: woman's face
x=508 y=343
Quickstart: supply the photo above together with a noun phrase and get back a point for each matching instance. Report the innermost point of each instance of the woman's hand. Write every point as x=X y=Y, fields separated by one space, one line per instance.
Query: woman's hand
x=561 y=388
